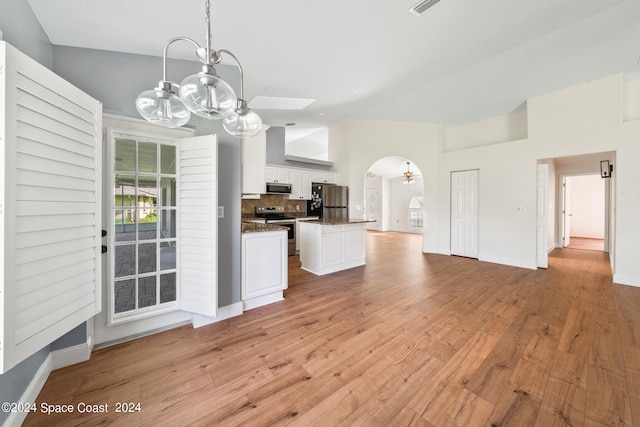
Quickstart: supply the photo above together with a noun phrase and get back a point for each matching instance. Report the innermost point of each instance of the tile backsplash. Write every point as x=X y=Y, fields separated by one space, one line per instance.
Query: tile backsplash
x=291 y=207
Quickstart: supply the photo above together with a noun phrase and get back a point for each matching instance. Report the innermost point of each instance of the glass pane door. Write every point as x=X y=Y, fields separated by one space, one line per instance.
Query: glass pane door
x=144 y=228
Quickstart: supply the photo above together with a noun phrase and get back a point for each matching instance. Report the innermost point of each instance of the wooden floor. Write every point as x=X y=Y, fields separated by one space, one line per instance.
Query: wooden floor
x=586 y=243
x=410 y=339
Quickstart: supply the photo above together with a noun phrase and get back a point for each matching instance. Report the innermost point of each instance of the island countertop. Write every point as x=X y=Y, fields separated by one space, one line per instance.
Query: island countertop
x=256 y=227
x=337 y=221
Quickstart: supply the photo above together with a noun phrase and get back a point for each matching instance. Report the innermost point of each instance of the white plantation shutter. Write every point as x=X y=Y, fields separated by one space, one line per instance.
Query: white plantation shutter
x=198 y=229
x=51 y=140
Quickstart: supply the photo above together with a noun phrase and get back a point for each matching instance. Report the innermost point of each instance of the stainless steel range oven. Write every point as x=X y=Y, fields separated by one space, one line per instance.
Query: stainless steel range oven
x=275 y=215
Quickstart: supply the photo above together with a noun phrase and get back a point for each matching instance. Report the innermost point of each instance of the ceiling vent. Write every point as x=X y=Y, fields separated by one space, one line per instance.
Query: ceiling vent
x=421 y=7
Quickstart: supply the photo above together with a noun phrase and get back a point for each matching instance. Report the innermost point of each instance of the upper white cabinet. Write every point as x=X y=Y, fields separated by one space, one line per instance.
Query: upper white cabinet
x=326 y=177
x=254 y=156
x=299 y=178
x=300 y=181
x=277 y=174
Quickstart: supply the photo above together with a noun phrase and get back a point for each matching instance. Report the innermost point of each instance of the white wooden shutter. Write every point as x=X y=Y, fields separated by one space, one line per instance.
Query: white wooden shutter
x=198 y=229
x=51 y=137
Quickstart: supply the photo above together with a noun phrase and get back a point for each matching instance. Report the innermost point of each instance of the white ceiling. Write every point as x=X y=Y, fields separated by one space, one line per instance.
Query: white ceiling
x=461 y=61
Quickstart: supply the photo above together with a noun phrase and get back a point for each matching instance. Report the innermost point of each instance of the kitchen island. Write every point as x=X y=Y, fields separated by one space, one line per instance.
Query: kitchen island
x=264 y=264
x=330 y=245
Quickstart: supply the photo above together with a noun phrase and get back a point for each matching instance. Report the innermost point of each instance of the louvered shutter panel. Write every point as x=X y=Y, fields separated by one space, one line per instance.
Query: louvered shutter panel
x=51 y=225
x=198 y=219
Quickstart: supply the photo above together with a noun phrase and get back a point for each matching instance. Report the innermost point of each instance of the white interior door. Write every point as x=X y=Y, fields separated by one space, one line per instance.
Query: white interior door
x=566 y=212
x=541 y=216
x=464 y=213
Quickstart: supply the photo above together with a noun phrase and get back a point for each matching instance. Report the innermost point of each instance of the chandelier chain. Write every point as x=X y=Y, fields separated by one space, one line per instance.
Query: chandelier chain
x=208 y=29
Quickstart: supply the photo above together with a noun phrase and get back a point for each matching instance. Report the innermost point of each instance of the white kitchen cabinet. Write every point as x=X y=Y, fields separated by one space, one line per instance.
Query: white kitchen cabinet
x=326 y=177
x=305 y=185
x=298 y=220
x=327 y=248
x=264 y=268
x=276 y=174
x=300 y=181
x=294 y=180
x=253 y=162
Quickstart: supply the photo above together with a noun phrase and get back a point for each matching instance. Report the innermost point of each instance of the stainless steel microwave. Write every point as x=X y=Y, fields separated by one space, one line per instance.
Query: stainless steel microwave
x=278 y=188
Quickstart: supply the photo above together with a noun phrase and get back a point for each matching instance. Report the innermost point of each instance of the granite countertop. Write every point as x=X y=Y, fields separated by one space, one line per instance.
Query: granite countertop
x=255 y=227
x=337 y=221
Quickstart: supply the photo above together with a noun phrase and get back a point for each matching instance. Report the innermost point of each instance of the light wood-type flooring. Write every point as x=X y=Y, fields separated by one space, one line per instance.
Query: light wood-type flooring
x=410 y=339
x=586 y=243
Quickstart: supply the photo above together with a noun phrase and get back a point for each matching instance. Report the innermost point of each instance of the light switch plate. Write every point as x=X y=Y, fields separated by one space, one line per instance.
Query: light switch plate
x=220 y=211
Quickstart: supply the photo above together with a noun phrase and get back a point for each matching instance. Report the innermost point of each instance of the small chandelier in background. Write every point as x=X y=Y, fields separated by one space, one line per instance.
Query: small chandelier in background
x=408 y=176
x=204 y=94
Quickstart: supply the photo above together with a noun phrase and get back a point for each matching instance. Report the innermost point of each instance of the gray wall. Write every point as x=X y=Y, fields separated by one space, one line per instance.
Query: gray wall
x=229 y=239
x=22 y=30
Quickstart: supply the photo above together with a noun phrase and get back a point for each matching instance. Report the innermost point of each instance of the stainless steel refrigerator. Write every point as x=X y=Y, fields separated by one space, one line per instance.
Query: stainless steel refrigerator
x=328 y=201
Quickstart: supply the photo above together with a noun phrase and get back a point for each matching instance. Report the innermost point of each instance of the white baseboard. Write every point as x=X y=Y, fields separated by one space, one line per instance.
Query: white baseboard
x=225 y=312
x=626 y=280
x=256 y=302
x=71 y=355
x=31 y=393
x=551 y=248
x=509 y=262
x=439 y=251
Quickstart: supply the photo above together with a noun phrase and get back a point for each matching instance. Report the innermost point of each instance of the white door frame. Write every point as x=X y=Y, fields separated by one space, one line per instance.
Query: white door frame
x=565 y=212
x=464 y=217
x=102 y=333
x=542 y=216
x=561 y=205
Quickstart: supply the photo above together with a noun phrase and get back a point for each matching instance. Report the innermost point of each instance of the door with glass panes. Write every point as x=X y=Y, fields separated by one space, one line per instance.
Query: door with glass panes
x=144 y=221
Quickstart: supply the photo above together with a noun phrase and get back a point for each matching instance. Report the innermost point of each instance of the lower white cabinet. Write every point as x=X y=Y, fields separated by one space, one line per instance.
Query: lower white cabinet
x=329 y=248
x=264 y=268
x=298 y=221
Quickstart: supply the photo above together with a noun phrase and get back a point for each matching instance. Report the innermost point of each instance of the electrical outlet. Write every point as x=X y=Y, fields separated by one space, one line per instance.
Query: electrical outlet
x=220 y=211
x=517 y=209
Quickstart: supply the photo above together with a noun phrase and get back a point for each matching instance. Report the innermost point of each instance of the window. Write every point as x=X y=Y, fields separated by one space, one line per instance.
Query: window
x=416 y=212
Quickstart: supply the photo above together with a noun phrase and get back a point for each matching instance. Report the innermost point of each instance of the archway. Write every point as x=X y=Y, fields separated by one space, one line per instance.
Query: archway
x=390 y=185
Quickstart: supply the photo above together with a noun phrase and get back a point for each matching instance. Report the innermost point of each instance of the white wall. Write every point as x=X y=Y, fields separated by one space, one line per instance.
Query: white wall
x=632 y=101
x=587 y=206
x=312 y=145
x=354 y=145
x=510 y=127
x=582 y=119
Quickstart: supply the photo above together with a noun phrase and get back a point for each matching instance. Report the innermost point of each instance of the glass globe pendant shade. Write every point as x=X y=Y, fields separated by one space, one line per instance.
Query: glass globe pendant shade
x=243 y=121
x=208 y=96
x=161 y=106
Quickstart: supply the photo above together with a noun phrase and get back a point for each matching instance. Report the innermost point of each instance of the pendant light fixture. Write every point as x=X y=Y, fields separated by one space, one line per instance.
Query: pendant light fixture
x=204 y=94
x=408 y=176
